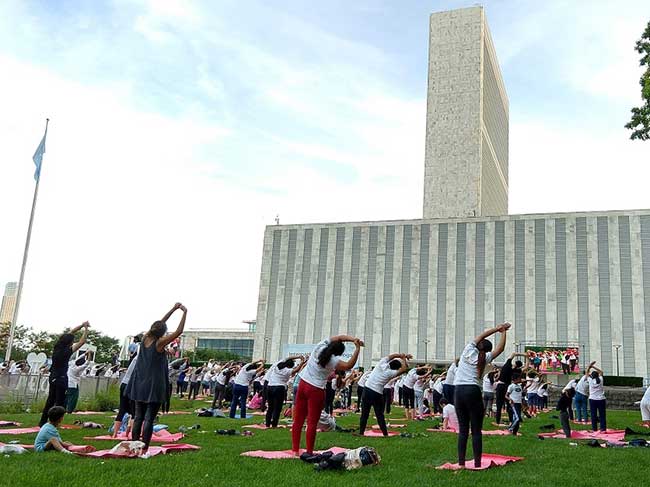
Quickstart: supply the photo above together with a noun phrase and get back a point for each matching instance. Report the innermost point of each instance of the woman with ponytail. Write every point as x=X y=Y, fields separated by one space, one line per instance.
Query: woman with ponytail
x=147 y=386
x=310 y=398
x=58 y=380
x=276 y=387
x=468 y=399
x=597 y=401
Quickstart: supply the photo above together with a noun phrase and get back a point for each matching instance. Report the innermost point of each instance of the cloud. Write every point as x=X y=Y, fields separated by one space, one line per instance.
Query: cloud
x=180 y=129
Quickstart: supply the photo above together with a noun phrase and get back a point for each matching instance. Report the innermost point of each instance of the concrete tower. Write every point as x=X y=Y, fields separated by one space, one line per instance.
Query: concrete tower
x=8 y=302
x=466 y=154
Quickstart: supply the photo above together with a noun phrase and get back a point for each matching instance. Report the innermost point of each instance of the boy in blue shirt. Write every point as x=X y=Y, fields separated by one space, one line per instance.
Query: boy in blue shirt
x=48 y=437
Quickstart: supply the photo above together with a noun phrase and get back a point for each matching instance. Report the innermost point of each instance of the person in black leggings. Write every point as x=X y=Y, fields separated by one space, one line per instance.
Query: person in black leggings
x=468 y=399
x=373 y=392
x=408 y=392
x=389 y=393
x=276 y=381
x=148 y=383
x=504 y=379
x=58 y=379
x=126 y=405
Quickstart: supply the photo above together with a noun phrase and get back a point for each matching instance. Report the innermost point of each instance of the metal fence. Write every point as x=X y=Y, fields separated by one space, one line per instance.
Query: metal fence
x=29 y=389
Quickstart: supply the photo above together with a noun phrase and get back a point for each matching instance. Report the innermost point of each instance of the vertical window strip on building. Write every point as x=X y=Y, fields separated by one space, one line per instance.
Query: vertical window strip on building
x=320 y=285
x=499 y=271
x=604 y=297
x=479 y=279
x=273 y=284
x=288 y=288
x=627 y=303
x=561 y=281
x=461 y=261
x=338 y=280
x=540 y=281
x=441 y=292
x=370 y=294
x=583 y=283
x=304 y=286
x=645 y=259
x=520 y=280
x=405 y=291
x=354 y=281
x=387 y=304
x=423 y=290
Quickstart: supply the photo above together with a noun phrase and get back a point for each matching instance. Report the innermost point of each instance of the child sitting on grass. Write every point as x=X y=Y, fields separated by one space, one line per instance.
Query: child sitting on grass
x=48 y=437
x=449 y=417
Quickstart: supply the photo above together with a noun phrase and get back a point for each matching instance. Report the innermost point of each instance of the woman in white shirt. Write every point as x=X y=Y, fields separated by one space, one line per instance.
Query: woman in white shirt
x=448 y=384
x=240 y=389
x=597 y=401
x=645 y=408
x=408 y=389
x=468 y=399
x=276 y=387
x=488 y=392
x=310 y=398
x=373 y=393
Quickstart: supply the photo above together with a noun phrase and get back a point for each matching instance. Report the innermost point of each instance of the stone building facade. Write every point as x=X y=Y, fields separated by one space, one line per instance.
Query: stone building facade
x=427 y=287
x=466 y=153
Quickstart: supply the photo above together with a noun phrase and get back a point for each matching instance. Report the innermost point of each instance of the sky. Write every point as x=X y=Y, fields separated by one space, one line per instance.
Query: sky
x=180 y=129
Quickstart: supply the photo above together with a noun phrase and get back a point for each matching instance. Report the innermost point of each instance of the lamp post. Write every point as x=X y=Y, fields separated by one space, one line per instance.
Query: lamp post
x=426 y=350
x=617 y=364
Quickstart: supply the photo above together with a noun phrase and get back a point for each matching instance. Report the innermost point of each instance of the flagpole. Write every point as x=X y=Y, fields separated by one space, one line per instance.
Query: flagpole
x=12 y=329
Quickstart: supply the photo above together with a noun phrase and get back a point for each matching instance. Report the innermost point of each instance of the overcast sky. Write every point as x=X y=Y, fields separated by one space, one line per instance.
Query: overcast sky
x=179 y=129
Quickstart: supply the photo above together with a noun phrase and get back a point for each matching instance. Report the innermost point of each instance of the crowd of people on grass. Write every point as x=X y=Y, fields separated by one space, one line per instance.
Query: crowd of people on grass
x=320 y=384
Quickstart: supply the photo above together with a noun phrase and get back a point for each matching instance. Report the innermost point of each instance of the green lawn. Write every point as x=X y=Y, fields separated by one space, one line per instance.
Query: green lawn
x=404 y=460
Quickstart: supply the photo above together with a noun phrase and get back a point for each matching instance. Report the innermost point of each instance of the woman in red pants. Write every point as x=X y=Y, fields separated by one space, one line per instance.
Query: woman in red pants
x=310 y=398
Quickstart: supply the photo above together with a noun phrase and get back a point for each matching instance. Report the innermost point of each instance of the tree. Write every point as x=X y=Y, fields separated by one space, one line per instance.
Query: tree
x=27 y=340
x=21 y=345
x=205 y=354
x=640 y=123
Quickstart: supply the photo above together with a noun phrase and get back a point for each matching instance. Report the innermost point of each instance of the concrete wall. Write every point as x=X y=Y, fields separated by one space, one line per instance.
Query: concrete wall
x=466 y=150
x=428 y=286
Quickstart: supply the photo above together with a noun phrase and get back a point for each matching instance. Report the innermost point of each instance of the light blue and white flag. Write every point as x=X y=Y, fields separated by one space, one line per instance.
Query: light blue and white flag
x=38 y=156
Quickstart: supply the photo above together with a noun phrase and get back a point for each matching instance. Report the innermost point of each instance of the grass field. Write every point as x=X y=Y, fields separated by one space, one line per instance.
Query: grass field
x=405 y=461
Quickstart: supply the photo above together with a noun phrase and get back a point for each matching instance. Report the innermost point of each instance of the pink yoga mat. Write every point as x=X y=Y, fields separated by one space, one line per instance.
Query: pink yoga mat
x=285 y=454
x=374 y=433
x=33 y=429
x=153 y=451
x=484 y=432
x=609 y=435
x=487 y=461
x=9 y=423
x=390 y=425
x=162 y=436
x=20 y=431
x=88 y=413
x=263 y=426
x=177 y=412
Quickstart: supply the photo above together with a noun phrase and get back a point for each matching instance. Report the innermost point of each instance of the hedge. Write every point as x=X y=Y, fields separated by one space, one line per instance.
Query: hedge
x=616 y=380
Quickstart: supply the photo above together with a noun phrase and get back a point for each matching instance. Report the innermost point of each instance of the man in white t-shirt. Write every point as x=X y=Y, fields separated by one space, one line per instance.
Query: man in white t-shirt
x=515 y=396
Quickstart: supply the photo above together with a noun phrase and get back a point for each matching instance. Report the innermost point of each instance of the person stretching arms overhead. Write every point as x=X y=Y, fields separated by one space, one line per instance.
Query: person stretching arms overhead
x=468 y=399
x=373 y=393
x=310 y=398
